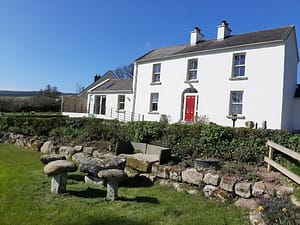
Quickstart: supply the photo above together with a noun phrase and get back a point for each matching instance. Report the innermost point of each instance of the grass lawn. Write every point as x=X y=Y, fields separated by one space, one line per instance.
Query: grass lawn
x=25 y=198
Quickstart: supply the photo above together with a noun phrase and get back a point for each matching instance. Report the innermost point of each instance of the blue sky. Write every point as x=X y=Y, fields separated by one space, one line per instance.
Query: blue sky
x=66 y=42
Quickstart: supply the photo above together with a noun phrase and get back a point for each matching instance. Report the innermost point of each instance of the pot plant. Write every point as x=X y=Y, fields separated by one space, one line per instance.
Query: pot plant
x=202 y=161
x=206 y=163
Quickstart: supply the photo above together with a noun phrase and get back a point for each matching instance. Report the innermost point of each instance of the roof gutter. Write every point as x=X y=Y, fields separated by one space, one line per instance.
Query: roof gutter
x=112 y=92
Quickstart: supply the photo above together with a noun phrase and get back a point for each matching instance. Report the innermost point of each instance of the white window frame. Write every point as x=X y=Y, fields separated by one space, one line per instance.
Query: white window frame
x=234 y=65
x=154 y=101
x=238 y=103
x=155 y=73
x=192 y=69
x=121 y=103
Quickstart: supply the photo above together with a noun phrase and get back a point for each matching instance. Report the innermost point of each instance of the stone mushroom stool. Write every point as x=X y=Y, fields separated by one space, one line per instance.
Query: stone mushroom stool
x=45 y=159
x=112 y=177
x=58 y=170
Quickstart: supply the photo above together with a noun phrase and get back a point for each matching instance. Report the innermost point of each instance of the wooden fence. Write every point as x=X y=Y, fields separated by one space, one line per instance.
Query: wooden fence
x=73 y=104
x=271 y=163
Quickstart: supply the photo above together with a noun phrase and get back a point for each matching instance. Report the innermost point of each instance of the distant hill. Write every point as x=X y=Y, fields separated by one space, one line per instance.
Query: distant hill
x=5 y=93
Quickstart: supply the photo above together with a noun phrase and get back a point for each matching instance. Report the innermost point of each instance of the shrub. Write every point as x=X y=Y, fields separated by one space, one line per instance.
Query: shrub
x=279 y=211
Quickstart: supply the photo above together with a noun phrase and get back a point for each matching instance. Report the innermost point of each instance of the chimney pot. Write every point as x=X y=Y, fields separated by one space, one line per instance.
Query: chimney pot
x=224 y=23
x=97 y=77
x=196 y=36
x=223 y=30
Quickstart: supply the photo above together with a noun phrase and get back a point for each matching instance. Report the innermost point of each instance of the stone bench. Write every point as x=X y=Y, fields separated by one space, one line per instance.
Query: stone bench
x=163 y=154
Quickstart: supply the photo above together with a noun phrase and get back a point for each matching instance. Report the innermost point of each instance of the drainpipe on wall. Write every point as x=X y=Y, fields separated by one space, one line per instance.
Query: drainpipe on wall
x=135 y=76
x=88 y=104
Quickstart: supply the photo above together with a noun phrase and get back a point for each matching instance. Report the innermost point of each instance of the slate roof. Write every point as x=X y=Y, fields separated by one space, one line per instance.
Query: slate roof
x=259 y=37
x=108 y=75
x=115 y=85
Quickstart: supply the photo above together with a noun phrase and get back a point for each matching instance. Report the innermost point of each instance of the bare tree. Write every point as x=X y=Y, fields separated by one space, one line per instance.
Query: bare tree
x=79 y=88
x=124 y=72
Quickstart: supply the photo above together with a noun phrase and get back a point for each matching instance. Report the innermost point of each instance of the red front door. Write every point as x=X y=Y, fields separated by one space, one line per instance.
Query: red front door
x=189 y=108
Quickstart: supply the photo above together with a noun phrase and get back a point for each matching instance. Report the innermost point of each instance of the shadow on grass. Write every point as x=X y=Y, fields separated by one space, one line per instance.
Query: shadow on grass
x=136 y=182
x=76 y=177
x=89 y=193
x=140 y=199
x=113 y=221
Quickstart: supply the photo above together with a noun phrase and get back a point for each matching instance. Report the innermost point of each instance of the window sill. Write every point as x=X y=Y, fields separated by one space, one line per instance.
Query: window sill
x=155 y=83
x=154 y=113
x=191 y=81
x=240 y=117
x=238 y=78
x=120 y=111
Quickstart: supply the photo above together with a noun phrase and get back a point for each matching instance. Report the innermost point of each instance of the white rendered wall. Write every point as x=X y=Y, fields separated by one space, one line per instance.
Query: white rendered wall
x=262 y=99
x=112 y=101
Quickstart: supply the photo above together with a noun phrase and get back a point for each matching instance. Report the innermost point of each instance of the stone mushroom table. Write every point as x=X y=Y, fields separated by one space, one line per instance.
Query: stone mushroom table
x=45 y=159
x=58 y=170
x=112 y=177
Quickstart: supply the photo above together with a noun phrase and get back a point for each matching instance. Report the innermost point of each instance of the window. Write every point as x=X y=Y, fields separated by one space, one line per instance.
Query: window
x=154 y=102
x=236 y=103
x=121 y=102
x=192 y=69
x=239 y=65
x=156 y=73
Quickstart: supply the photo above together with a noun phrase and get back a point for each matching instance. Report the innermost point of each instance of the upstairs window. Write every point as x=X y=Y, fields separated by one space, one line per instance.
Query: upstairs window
x=192 y=69
x=121 y=102
x=156 y=73
x=239 y=65
x=154 y=102
x=236 y=103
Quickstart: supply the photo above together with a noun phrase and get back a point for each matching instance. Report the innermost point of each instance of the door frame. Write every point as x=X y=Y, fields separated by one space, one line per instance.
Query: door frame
x=99 y=100
x=195 y=107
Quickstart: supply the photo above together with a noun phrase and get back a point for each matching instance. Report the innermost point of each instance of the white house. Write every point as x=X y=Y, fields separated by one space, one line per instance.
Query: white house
x=112 y=99
x=251 y=75
x=109 y=98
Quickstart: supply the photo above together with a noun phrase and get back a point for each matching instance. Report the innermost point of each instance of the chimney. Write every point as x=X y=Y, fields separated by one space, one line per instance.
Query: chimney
x=223 y=31
x=196 y=36
x=97 y=77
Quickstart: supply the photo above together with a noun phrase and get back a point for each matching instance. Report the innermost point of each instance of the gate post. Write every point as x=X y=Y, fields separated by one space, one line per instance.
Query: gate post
x=270 y=157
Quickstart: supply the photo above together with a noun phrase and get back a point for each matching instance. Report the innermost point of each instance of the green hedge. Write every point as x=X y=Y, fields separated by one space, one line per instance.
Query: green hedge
x=186 y=141
x=226 y=143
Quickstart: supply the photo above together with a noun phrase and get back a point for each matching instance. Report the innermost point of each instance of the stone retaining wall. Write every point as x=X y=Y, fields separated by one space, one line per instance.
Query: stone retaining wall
x=212 y=182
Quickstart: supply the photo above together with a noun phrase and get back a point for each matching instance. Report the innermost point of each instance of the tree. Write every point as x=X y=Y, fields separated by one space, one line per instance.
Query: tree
x=50 y=91
x=48 y=99
x=124 y=71
x=79 y=88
